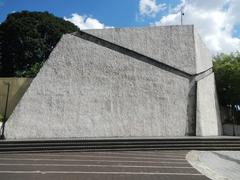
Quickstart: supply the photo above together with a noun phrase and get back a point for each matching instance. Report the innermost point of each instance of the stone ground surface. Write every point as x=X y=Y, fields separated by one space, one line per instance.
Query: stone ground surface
x=217 y=165
x=127 y=165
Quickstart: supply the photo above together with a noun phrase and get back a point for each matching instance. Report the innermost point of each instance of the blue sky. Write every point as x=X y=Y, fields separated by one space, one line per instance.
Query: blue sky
x=218 y=21
x=117 y=13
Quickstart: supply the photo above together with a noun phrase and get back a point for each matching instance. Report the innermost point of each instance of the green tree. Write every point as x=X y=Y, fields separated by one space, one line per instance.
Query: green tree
x=26 y=40
x=227 y=73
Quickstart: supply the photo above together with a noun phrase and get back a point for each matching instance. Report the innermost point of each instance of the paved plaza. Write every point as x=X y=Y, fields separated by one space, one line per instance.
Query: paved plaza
x=125 y=165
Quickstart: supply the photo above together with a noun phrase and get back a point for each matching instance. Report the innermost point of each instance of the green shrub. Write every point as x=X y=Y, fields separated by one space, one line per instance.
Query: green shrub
x=27 y=39
x=227 y=73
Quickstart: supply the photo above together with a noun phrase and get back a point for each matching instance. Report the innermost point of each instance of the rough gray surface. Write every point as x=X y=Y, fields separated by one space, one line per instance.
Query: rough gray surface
x=203 y=56
x=87 y=90
x=99 y=93
x=217 y=165
x=124 y=165
x=173 y=45
x=208 y=119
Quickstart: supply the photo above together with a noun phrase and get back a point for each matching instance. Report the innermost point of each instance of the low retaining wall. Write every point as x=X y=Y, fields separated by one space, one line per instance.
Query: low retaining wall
x=18 y=86
x=228 y=129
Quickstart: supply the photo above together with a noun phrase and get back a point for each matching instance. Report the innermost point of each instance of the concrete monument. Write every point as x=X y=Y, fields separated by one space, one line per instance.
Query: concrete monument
x=140 y=82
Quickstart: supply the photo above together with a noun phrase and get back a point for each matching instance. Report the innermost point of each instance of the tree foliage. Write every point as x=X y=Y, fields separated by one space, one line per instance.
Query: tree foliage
x=26 y=40
x=227 y=73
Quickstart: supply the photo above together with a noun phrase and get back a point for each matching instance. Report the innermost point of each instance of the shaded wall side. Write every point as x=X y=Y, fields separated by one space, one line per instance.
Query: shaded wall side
x=208 y=115
x=85 y=90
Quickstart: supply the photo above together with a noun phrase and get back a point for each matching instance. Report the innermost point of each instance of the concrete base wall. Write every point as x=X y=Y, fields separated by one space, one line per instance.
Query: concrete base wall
x=17 y=88
x=230 y=130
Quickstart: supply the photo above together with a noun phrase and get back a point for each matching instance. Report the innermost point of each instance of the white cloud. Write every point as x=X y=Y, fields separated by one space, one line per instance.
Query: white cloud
x=84 y=22
x=214 y=19
x=150 y=7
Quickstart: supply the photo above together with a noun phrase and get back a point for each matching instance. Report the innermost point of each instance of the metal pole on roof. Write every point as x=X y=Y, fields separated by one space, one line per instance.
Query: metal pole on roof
x=182 y=14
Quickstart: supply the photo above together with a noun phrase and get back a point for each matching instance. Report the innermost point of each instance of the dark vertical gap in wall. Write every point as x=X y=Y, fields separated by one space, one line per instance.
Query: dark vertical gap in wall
x=191 y=108
x=195 y=109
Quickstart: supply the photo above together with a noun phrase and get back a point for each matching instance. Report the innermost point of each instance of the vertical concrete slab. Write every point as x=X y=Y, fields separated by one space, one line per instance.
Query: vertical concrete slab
x=208 y=116
x=208 y=121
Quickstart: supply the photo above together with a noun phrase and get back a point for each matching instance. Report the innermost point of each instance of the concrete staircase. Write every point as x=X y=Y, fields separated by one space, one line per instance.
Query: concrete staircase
x=122 y=144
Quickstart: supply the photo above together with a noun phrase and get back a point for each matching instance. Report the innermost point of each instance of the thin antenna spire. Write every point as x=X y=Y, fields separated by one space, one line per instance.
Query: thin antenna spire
x=182 y=14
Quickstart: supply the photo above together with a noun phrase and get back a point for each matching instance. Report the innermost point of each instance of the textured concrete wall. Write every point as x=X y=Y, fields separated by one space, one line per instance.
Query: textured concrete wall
x=173 y=45
x=208 y=121
x=99 y=93
x=88 y=90
x=203 y=55
x=208 y=115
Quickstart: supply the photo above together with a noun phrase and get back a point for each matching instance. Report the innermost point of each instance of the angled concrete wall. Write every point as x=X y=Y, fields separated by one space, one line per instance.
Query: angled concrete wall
x=86 y=89
x=202 y=54
x=173 y=45
x=208 y=121
x=208 y=115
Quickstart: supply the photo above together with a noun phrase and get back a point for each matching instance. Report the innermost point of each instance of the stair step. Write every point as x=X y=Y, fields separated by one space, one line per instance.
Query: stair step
x=121 y=144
